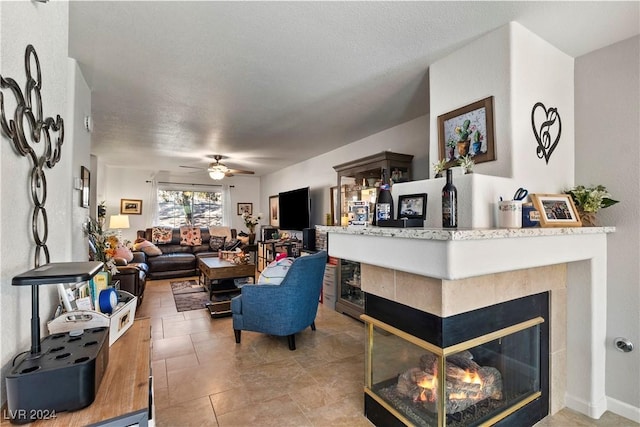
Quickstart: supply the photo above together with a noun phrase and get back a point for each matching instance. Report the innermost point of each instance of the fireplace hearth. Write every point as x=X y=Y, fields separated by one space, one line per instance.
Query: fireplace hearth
x=493 y=360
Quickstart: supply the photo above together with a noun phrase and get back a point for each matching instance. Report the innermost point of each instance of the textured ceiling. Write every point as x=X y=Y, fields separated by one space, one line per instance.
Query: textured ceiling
x=269 y=84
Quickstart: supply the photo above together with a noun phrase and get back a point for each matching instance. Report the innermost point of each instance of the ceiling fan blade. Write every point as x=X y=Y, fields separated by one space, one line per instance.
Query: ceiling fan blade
x=241 y=171
x=192 y=167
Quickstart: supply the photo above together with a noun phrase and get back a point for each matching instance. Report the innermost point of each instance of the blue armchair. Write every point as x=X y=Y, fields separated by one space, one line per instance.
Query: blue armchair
x=282 y=309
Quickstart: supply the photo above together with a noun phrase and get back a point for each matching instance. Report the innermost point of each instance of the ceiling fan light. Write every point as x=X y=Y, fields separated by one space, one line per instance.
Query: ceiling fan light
x=216 y=174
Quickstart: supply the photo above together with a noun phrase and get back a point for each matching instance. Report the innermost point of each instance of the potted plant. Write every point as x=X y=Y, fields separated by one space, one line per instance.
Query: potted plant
x=251 y=221
x=463 y=133
x=589 y=200
x=451 y=149
x=439 y=167
x=477 y=143
x=466 y=163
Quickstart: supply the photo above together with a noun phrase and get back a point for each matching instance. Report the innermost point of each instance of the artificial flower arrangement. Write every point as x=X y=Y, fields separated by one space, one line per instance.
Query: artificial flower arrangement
x=589 y=200
x=251 y=221
x=104 y=243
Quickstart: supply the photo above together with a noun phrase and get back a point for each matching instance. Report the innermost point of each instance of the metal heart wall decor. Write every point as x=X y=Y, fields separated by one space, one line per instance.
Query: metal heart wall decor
x=547 y=127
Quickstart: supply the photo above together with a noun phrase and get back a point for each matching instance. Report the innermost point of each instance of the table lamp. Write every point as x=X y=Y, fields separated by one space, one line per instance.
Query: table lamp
x=119 y=222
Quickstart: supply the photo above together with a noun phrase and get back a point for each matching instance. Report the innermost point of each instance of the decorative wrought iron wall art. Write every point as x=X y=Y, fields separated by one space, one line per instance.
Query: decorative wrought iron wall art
x=38 y=129
x=547 y=127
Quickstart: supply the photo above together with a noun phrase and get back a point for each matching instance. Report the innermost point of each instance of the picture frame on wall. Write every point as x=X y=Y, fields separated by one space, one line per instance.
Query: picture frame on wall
x=274 y=211
x=245 y=208
x=85 y=178
x=130 y=207
x=468 y=130
x=556 y=210
x=412 y=206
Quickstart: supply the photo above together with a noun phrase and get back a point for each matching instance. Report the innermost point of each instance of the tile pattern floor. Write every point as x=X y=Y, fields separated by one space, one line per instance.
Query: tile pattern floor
x=203 y=378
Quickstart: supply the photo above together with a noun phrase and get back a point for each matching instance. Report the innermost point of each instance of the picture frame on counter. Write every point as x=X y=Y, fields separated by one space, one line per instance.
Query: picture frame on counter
x=556 y=210
x=412 y=206
x=458 y=138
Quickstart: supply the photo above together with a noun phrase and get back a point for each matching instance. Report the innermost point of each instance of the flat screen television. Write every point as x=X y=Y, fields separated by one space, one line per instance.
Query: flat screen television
x=295 y=209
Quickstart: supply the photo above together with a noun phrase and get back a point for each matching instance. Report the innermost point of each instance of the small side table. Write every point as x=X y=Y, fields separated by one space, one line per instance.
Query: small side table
x=252 y=251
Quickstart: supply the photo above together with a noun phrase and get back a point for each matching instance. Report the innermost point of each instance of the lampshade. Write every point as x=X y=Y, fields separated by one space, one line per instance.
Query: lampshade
x=119 y=221
x=216 y=174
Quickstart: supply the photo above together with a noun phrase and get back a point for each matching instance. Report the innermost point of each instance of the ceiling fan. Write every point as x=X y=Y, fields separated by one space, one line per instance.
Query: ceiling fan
x=219 y=170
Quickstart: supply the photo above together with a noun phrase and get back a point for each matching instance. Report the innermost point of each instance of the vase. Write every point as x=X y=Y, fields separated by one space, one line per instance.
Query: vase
x=252 y=238
x=588 y=219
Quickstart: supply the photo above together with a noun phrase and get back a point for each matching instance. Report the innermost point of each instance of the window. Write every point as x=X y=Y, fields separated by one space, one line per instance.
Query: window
x=198 y=208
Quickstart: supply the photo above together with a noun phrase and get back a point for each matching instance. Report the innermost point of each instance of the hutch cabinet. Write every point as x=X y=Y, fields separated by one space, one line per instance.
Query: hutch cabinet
x=360 y=180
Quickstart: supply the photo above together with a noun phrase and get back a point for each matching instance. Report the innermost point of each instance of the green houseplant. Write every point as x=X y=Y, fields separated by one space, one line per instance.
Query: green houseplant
x=589 y=200
x=467 y=163
x=439 y=167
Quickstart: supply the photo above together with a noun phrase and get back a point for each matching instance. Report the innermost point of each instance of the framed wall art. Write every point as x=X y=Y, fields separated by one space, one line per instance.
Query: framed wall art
x=245 y=208
x=412 y=206
x=130 y=207
x=85 y=178
x=556 y=210
x=467 y=131
x=274 y=211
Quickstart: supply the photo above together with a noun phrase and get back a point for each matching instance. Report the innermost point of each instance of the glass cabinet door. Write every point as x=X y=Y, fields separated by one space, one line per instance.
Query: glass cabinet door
x=355 y=190
x=350 y=296
x=359 y=181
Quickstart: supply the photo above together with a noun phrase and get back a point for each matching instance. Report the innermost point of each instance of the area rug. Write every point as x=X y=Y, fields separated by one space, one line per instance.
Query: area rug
x=189 y=295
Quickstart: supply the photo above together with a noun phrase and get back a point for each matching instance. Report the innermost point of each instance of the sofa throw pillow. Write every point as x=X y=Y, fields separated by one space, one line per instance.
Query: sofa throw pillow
x=190 y=236
x=216 y=243
x=216 y=230
x=141 y=243
x=124 y=253
x=232 y=245
x=274 y=273
x=161 y=234
x=151 y=250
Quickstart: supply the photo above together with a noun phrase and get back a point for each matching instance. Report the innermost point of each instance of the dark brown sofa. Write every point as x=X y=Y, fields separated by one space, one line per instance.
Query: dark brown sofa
x=133 y=275
x=177 y=260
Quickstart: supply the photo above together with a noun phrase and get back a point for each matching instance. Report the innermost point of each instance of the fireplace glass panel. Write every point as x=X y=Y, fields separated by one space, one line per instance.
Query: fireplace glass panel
x=484 y=376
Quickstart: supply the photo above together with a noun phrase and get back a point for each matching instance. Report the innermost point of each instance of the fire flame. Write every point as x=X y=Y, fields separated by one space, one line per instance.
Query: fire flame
x=430 y=384
x=472 y=378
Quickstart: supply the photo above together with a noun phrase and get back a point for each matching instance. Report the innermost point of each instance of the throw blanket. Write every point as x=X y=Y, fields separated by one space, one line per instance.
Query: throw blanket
x=190 y=236
x=161 y=234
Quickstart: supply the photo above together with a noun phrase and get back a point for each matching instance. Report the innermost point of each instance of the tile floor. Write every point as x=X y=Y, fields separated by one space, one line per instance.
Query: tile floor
x=203 y=378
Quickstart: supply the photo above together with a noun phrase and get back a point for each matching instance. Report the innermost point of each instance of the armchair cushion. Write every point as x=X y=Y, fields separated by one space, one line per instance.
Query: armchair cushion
x=274 y=273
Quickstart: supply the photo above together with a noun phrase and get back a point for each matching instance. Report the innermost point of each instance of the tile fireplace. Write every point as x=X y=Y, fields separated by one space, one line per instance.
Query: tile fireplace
x=445 y=273
x=495 y=361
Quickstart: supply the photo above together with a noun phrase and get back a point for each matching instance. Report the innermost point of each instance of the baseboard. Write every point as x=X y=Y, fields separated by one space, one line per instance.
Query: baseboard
x=594 y=411
x=623 y=409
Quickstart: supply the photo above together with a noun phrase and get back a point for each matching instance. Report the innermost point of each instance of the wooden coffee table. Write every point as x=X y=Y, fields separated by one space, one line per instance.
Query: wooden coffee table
x=213 y=272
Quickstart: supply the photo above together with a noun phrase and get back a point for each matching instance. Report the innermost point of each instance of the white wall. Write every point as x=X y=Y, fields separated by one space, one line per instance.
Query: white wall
x=411 y=137
x=115 y=183
x=608 y=152
x=45 y=26
x=518 y=69
x=75 y=131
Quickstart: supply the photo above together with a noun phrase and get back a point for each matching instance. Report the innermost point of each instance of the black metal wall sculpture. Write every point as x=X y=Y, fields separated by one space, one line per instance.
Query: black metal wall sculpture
x=40 y=129
x=546 y=125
